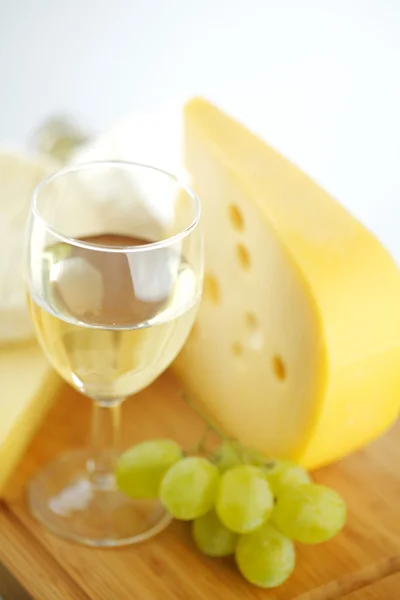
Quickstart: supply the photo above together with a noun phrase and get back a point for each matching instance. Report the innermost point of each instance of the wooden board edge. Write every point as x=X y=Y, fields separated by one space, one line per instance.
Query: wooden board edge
x=32 y=565
x=359 y=580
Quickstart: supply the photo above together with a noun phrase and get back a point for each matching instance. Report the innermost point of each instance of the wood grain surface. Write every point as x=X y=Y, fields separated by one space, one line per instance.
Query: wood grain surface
x=379 y=590
x=362 y=563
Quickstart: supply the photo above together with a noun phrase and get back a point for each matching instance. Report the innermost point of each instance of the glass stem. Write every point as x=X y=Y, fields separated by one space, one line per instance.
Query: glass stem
x=106 y=434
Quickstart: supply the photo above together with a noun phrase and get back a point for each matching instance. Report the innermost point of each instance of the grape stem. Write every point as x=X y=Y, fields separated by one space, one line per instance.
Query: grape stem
x=202 y=444
x=243 y=454
x=188 y=399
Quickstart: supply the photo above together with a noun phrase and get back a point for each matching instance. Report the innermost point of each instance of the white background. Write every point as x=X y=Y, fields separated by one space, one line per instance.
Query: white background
x=318 y=79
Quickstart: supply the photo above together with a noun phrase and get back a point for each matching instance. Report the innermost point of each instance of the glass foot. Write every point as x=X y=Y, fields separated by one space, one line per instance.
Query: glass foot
x=63 y=497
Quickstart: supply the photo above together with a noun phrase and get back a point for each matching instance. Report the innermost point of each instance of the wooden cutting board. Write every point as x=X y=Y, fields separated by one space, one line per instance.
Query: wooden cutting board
x=362 y=563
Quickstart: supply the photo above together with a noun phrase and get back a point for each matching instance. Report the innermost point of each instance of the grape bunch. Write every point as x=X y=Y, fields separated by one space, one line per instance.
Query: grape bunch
x=239 y=503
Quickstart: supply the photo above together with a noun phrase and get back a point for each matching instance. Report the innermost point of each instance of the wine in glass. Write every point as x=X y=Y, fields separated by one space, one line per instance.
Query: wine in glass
x=114 y=272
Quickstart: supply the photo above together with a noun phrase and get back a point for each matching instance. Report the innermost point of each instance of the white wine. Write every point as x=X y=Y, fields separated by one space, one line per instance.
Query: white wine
x=111 y=322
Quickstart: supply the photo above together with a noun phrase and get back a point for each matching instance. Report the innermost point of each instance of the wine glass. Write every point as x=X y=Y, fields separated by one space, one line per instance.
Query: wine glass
x=114 y=274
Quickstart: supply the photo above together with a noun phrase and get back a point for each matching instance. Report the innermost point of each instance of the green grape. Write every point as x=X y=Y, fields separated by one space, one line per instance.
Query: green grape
x=244 y=500
x=310 y=513
x=284 y=474
x=265 y=557
x=140 y=469
x=188 y=488
x=227 y=456
x=212 y=537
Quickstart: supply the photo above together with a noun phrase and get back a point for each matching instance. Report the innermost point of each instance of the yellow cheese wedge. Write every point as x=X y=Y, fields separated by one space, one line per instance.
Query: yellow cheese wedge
x=27 y=388
x=296 y=350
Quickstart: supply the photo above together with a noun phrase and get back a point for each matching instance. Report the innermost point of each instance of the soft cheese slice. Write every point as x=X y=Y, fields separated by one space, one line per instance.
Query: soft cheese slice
x=28 y=387
x=19 y=175
x=296 y=351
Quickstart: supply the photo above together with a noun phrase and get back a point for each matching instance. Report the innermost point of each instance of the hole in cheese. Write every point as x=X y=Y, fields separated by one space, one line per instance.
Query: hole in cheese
x=236 y=217
x=237 y=349
x=211 y=289
x=255 y=335
x=243 y=256
x=279 y=367
x=251 y=322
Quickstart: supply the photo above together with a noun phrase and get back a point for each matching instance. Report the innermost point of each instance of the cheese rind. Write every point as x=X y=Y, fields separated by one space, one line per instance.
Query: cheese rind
x=314 y=372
